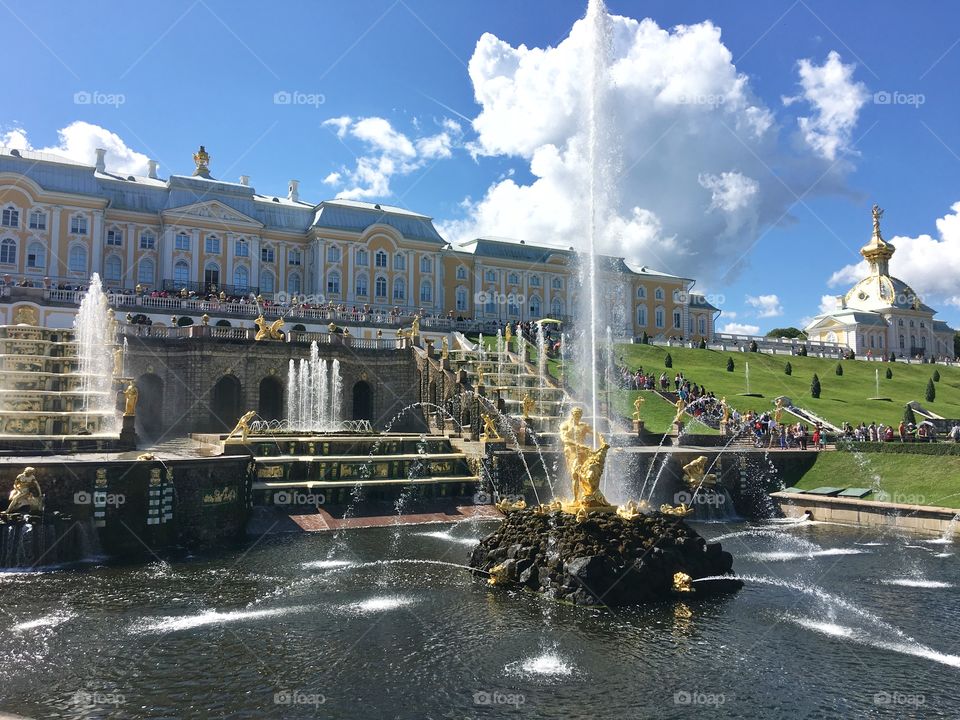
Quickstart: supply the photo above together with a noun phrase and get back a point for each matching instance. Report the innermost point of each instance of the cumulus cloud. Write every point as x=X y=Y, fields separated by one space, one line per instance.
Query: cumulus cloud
x=79 y=141
x=386 y=153
x=765 y=305
x=836 y=100
x=828 y=303
x=735 y=328
x=930 y=265
x=687 y=155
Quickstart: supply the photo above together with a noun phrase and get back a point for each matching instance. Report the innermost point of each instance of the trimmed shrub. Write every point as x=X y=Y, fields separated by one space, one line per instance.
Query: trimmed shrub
x=908 y=416
x=889 y=374
x=931 y=393
x=729 y=364
x=815 y=386
x=788 y=368
x=668 y=361
x=936 y=376
x=839 y=369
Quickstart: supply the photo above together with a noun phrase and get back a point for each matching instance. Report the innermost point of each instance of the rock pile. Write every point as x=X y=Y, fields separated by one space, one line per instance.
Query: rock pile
x=602 y=560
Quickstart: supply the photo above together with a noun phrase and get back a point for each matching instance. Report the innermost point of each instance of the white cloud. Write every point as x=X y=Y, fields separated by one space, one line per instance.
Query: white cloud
x=79 y=141
x=736 y=328
x=835 y=99
x=765 y=305
x=387 y=152
x=828 y=303
x=687 y=161
x=929 y=265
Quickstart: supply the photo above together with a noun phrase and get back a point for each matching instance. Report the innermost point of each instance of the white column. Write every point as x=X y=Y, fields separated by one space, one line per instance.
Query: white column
x=321 y=279
x=413 y=293
x=131 y=276
x=227 y=276
x=96 y=257
x=166 y=254
x=53 y=261
x=346 y=262
x=255 y=262
x=195 y=272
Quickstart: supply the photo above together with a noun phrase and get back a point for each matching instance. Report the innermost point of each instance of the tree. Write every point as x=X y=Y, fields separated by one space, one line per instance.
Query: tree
x=787 y=332
x=908 y=416
x=645 y=339
x=936 y=375
x=667 y=361
x=815 y=386
x=889 y=374
x=839 y=370
x=753 y=346
x=788 y=369
x=931 y=393
x=729 y=364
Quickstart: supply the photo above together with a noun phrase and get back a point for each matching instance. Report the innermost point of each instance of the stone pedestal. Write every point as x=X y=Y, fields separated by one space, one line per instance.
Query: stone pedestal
x=638 y=427
x=128 y=435
x=445 y=363
x=678 y=426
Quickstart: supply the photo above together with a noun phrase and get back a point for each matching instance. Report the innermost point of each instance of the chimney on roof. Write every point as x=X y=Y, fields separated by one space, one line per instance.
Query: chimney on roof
x=293 y=191
x=245 y=180
x=101 y=160
x=152 y=169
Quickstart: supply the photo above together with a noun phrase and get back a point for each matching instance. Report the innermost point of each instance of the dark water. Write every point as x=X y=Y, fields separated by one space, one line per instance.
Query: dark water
x=257 y=633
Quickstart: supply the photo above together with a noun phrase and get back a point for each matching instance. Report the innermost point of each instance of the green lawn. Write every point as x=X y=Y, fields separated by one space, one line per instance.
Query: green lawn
x=842 y=397
x=912 y=479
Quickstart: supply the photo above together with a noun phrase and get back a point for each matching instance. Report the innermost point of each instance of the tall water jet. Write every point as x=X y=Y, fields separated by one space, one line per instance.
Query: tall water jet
x=95 y=335
x=314 y=393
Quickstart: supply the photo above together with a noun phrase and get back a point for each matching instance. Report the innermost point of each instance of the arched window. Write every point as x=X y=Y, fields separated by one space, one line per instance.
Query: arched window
x=36 y=256
x=145 y=271
x=8 y=251
x=557 y=283
x=461 y=272
x=534 y=281
x=77 y=261
x=38 y=220
x=399 y=289
x=901 y=342
x=267 y=284
x=490 y=276
x=10 y=217
x=241 y=277
x=461 y=299
x=241 y=248
x=181 y=242
x=333 y=283
x=490 y=306
x=659 y=317
x=642 y=315
x=361 y=285
x=294 y=257
x=181 y=273
x=211 y=245
x=513 y=279
x=148 y=241
x=642 y=294
x=115 y=237
x=294 y=286
x=426 y=291
x=399 y=261
x=703 y=325
x=556 y=307
x=512 y=308
x=112 y=268
x=363 y=258
x=333 y=254
x=677 y=320
x=267 y=254
x=211 y=275
x=380 y=259
x=426 y=264
x=380 y=288
x=535 y=306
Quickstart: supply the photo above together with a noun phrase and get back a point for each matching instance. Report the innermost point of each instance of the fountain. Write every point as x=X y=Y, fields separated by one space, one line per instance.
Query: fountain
x=314 y=393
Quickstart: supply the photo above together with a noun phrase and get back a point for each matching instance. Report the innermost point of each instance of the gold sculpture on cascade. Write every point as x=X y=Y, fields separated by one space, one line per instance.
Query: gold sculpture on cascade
x=25 y=495
x=268 y=331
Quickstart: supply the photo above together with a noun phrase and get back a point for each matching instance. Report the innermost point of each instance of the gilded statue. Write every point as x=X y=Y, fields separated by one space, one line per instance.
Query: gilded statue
x=444 y=348
x=25 y=495
x=632 y=510
x=508 y=334
x=130 y=395
x=778 y=413
x=118 y=362
x=637 y=407
x=268 y=331
x=584 y=464
x=201 y=159
x=682 y=583
x=506 y=505
x=681 y=510
x=528 y=405
x=695 y=473
x=877 y=214
x=480 y=375
x=243 y=426
x=681 y=409
x=725 y=419
x=489 y=428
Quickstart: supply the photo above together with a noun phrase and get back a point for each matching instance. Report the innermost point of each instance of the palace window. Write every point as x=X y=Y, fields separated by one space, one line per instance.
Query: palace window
x=241 y=248
x=380 y=259
x=267 y=284
x=901 y=342
x=676 y=296
x=535 y=307
x=115 y=237
x=267 y=254
x=534 y=281
x=8 y=251
x=426 y=291
x=182 y=242
x=658 y=294
x=399 y=290
x=676 y=320
x=146 y=271
x=513 y=279
x=557 y=283
x=333 y=254
x=659 y=317
x=363 y=258
x=333 y=283
x=211 y=275
x=399 y=261
x=380 y=288
x=78 y=225
x=490 y=276
x=212 y=245
x=361 y=285
x=112 y=269
x=461 y=295
x=641 y=315
x=77 y=261
x=426 y=264
x=641 y=293
x=148 y=241
x=181 y=273
x=461 y=272
x=295 y=257
x=703 y=326
x=36 y=256
x=241 y=277
x=10 y=217
x=293 y=284
x=38 y=220
x=512 y=308
x=556 y=307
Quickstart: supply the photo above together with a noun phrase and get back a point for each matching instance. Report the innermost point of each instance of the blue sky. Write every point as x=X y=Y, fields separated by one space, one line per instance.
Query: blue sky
x=208 y=72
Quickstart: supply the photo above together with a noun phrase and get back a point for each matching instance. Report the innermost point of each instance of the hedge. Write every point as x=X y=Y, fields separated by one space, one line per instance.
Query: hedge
x=898 y=448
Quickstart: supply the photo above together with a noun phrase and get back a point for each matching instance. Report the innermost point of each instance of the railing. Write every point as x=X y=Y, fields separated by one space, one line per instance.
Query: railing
x=249 y=334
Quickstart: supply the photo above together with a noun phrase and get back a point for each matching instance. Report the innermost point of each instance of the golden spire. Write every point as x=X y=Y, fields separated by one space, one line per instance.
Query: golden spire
x=202 y=159
x=878 y=251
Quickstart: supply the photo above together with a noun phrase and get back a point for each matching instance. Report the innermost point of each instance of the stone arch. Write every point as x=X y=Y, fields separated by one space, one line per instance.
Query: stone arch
x=226 y=399
x=270 y=401
x=150 y=415
x=362 y=401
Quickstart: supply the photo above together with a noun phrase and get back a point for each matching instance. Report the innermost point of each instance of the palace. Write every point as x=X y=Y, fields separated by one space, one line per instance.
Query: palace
x=63 y=220
x=881 y=314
